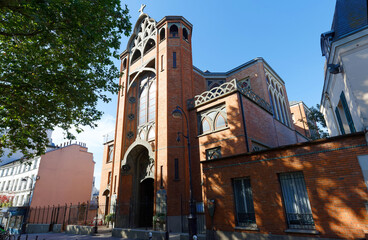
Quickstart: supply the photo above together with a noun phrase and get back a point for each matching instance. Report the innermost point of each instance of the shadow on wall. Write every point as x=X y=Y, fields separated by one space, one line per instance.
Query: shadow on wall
x=333 y=179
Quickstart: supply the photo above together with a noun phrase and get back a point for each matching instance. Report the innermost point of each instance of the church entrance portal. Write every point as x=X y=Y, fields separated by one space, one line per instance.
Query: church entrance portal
x=139 y=164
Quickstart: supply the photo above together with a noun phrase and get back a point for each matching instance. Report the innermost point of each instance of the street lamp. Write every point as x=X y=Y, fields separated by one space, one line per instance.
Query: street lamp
x=95 y=228
x=192 y=218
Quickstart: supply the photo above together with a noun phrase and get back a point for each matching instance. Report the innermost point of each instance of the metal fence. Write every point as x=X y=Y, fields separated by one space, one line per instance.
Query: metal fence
x=81 y=214
x=122 y=214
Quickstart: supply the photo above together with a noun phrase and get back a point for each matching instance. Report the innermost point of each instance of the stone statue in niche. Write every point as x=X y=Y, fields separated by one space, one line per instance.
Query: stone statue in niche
x=146 y=168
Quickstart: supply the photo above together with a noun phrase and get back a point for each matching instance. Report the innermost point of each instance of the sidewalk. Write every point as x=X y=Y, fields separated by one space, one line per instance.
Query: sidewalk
x=103 y=233
x=60 y=236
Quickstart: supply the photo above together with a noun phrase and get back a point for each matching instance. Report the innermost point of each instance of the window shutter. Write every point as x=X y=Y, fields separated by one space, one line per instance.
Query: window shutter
x=339 y=120
x=347 y=112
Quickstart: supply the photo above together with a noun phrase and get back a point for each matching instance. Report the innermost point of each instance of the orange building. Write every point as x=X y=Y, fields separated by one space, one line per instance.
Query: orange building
x=65 y=176
x=299 y=115
x=145 y=173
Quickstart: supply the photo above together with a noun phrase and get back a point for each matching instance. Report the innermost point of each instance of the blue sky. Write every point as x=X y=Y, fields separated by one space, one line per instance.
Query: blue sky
x=228 y=33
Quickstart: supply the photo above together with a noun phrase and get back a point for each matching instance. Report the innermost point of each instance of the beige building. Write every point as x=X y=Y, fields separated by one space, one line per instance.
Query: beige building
x=344 y=100
x=299 y=114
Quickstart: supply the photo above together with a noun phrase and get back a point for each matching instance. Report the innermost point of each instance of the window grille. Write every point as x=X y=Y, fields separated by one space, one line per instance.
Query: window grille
x=245 y=216
x=212 y=120
x=296 y=201
x=213 y=153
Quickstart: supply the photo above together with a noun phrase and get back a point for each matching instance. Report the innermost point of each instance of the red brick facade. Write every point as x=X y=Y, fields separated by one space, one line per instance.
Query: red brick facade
x=242 y=121
x=333 y=179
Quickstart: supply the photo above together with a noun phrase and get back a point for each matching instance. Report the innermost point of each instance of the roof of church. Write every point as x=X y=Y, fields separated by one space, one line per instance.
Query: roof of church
x=350 y=16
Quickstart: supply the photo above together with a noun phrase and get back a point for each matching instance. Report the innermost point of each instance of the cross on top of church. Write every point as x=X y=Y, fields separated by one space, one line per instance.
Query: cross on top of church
x=141 y=9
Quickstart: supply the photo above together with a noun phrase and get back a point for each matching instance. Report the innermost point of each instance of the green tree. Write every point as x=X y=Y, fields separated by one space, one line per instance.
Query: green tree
x=56 y=64
x=316 y=123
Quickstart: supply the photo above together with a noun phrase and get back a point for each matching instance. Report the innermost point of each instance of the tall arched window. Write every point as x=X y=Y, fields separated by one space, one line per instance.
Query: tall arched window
x=174 y=31
x=281 y=115
x=162 y=34
x=286 y=115
x=185 y=34
x=276 y=111
x=147 y=99
x=277 y=99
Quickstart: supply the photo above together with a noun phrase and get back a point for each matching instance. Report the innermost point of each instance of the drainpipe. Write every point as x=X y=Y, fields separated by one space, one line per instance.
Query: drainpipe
x=243 y=119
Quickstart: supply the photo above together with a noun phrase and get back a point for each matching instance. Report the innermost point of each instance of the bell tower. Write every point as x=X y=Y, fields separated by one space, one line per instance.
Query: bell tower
x=150 y=166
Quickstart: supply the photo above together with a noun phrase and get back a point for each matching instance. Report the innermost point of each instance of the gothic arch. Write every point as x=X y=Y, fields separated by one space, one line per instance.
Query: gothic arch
x=144 y=29
x=137 y=142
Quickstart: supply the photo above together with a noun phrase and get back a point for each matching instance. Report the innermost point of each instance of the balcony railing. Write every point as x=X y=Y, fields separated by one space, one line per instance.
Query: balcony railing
x=300 y=221
x=226 y=89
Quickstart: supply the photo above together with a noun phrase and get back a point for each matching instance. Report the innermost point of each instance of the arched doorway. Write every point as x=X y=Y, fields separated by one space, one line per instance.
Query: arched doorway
x=138 y=165
x=106 y=193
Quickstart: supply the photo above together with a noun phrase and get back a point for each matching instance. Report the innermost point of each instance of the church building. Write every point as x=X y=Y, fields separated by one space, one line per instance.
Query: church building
x=146 y=173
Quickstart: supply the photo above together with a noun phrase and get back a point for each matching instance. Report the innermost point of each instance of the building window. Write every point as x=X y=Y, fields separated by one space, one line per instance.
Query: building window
x=176 y=167
x=344 y=117
x=15 y=185
x=115 y=181
x=244 y=83
x=185 y=34
x=174 y=31
x=213 y=83
x=35 y=164
x=296 y=201
x=277 y=100
x=30 y=182
x=147 y=99
x=212 y=120
x=174 y=59
x=149 y=46
x=213 y=153
x=20 y=184
x=109 y=178
x=137 y=55
x=244 y=208
x=110 y=153
x=162 y=62
x=205 y=126
x=162 y=34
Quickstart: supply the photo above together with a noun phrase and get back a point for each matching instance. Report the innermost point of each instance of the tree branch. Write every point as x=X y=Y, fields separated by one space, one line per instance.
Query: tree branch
x=21 y=34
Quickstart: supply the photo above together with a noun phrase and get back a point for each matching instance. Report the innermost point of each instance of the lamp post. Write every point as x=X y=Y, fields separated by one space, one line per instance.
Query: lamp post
x=95 y=230
x=192 y=218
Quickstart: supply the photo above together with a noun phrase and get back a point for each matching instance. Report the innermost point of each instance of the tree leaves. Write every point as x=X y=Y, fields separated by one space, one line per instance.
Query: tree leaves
x=55 y=58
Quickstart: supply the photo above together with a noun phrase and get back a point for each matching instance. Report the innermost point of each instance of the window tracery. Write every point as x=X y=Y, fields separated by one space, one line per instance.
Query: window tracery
x=277 y=99
x=212 y=120
x=145 y=37
x=147 y=98
x=212 y=83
